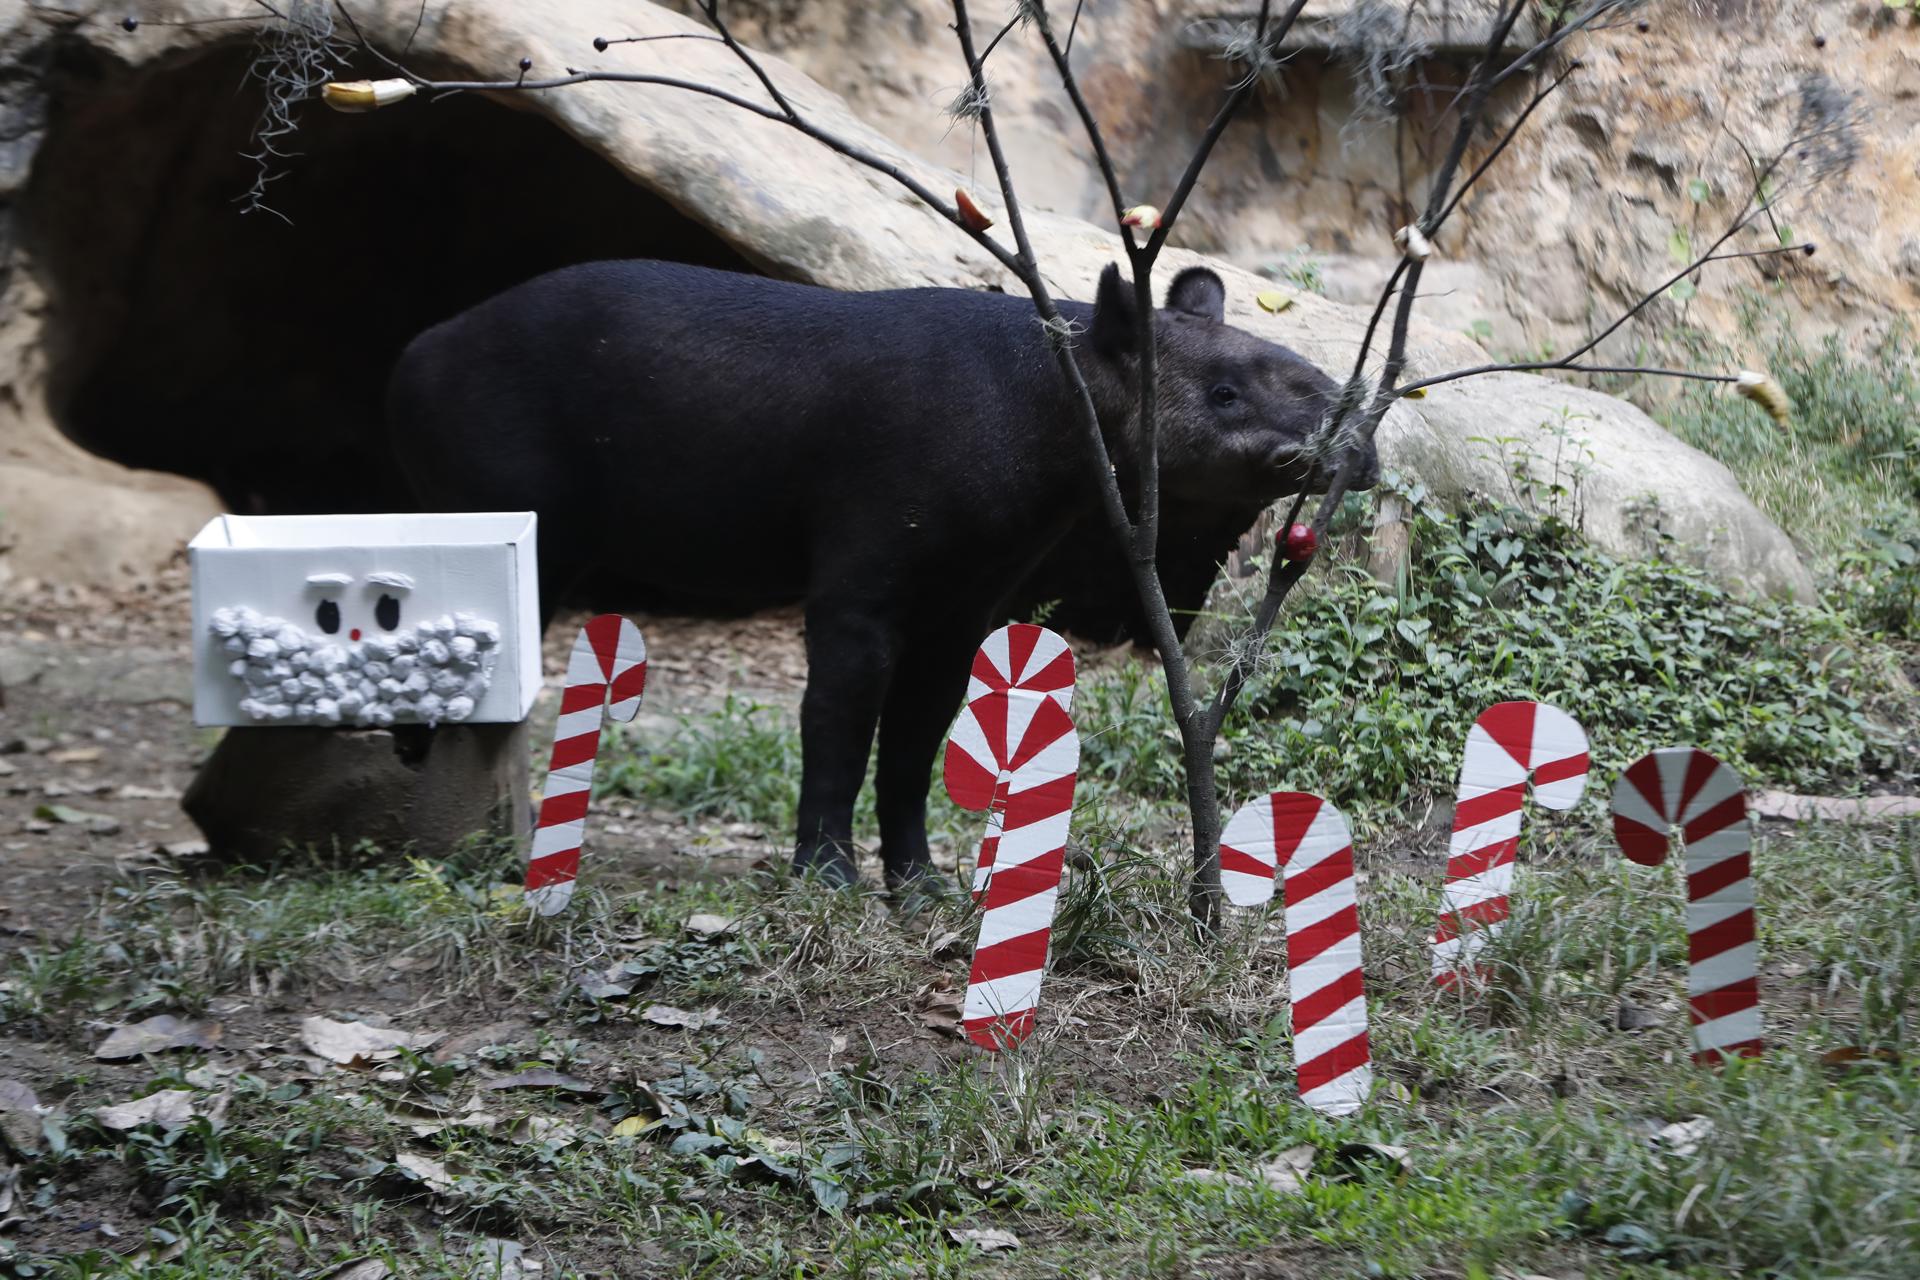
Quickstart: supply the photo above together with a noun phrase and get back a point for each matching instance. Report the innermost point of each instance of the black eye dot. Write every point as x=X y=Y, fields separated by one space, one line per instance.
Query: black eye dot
x=1224 y=395
x=328 y=616
x=387 y=613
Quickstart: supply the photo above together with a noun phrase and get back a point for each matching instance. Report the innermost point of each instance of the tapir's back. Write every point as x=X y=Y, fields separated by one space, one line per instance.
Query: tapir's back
x=722 y=419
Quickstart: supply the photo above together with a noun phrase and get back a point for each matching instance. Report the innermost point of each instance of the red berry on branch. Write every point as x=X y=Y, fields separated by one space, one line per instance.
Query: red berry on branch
x=1299 y=542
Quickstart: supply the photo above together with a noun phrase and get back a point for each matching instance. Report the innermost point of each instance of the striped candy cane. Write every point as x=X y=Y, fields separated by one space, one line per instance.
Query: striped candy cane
x=1510 y=743
x=1018 y=670
x=1014 y=751
x=1310 y=839
x=1687 y=788
x=609 y=661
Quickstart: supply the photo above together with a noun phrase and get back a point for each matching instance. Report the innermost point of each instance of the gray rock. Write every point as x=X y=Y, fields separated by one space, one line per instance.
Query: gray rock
x=425 y=790
x=1626 y=478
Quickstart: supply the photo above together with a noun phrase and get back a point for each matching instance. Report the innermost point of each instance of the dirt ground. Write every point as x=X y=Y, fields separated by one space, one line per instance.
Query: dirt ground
x=97 y=728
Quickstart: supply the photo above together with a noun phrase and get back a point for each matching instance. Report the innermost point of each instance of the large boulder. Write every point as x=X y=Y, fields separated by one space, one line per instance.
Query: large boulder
x=788 y=207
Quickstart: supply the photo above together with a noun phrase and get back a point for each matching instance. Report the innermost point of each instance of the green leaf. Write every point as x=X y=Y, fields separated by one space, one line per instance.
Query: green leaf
x=695 y=1143
x=1699 y=190
x=827 y=1193
x=1786 y=234
x=1680 y=245
x=1683 y=291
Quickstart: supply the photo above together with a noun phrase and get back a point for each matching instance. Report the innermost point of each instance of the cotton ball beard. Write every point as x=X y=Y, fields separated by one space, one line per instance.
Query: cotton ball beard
x=432 y=671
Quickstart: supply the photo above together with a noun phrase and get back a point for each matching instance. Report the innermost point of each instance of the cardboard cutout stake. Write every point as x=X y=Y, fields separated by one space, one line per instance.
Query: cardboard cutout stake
x=608 y=663
x=1510 y=743
x=1017 y=670
x=1687 y=788
x=1014 y=752
x=1310 y=841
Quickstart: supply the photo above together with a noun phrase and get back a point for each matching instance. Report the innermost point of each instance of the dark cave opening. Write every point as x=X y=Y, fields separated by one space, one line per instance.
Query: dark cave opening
x=251 y=351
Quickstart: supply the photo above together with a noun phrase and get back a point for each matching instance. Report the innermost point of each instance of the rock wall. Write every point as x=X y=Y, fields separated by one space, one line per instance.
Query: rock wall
x=65 y=514
x=174 y=330
x=1573 y=223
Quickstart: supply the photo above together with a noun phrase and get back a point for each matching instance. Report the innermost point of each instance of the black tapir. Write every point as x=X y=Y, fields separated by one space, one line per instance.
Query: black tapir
x=903 y=462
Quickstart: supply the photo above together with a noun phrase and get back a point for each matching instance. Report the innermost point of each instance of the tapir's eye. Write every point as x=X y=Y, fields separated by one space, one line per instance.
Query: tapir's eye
x=387 y=613
x=1224 y=395
x=328 y=616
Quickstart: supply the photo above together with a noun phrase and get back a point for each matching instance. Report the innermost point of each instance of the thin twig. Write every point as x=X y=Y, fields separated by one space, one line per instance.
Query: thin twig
x=1512 y=131
x=671 y=35
x=712 y=9
x=1102 y=157
x=1218 y=125
x=1000 y=35
x=419 y=20
x=1074 y=26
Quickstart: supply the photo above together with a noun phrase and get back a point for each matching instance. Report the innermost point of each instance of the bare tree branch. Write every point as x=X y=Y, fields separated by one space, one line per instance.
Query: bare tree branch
x=712 y=9
x=1236 y=97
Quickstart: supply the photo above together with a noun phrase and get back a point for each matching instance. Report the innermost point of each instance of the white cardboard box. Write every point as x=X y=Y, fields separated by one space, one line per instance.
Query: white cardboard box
x=428 y=567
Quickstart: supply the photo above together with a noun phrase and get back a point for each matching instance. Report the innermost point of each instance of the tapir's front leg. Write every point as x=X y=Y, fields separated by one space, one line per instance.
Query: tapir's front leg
x=851 y=653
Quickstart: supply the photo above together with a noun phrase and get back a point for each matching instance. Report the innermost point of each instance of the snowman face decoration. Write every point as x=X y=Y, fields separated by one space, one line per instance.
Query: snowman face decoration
x=363 y=651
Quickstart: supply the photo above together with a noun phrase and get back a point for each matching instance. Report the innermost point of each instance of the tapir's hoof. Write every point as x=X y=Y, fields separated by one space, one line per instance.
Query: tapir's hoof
x=830 y=864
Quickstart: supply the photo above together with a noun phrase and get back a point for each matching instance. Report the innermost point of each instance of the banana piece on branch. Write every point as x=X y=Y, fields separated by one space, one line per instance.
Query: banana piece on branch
x=365 y=95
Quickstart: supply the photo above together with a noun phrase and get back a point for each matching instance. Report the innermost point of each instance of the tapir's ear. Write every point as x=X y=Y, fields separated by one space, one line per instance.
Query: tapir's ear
x=1198 y=292
x=1113 y=323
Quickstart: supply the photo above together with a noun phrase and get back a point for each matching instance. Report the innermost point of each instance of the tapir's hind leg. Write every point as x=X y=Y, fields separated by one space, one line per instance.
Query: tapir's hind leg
x=921 y=703
x=850 y=659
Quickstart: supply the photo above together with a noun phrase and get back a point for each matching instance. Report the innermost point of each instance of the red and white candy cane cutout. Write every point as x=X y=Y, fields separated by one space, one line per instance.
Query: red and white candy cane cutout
x=1016 y=670
x=1014 y=750
x=1687 y=788
x=1309 y=841
x=608 y=663
x=1510 y=743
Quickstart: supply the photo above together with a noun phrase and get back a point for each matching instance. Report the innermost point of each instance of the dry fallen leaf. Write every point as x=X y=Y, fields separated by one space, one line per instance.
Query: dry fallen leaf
x=536 y=1130
x=540 y=1078
x=496 y=1259
x=355 y=1044
x=1845 y=1055
x=706 y=925
x=75 y=755
x=364 y=1269
x=473 y=1118
x=1282 y=1173
x=19 y=1118
x=9 y=1183
x=157 y=1035
x=949 y=945
x=1683 y=1137
x=134 y=791
x=985 y=1239
x=941 y=1010
x=666 y=1015
x=633 y=1127
x=169 y=1108
x=1357 y=1153
x=99 y=824
x=431 y=1172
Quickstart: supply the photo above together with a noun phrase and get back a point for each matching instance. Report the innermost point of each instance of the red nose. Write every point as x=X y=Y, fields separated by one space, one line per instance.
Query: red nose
x=354 y=634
